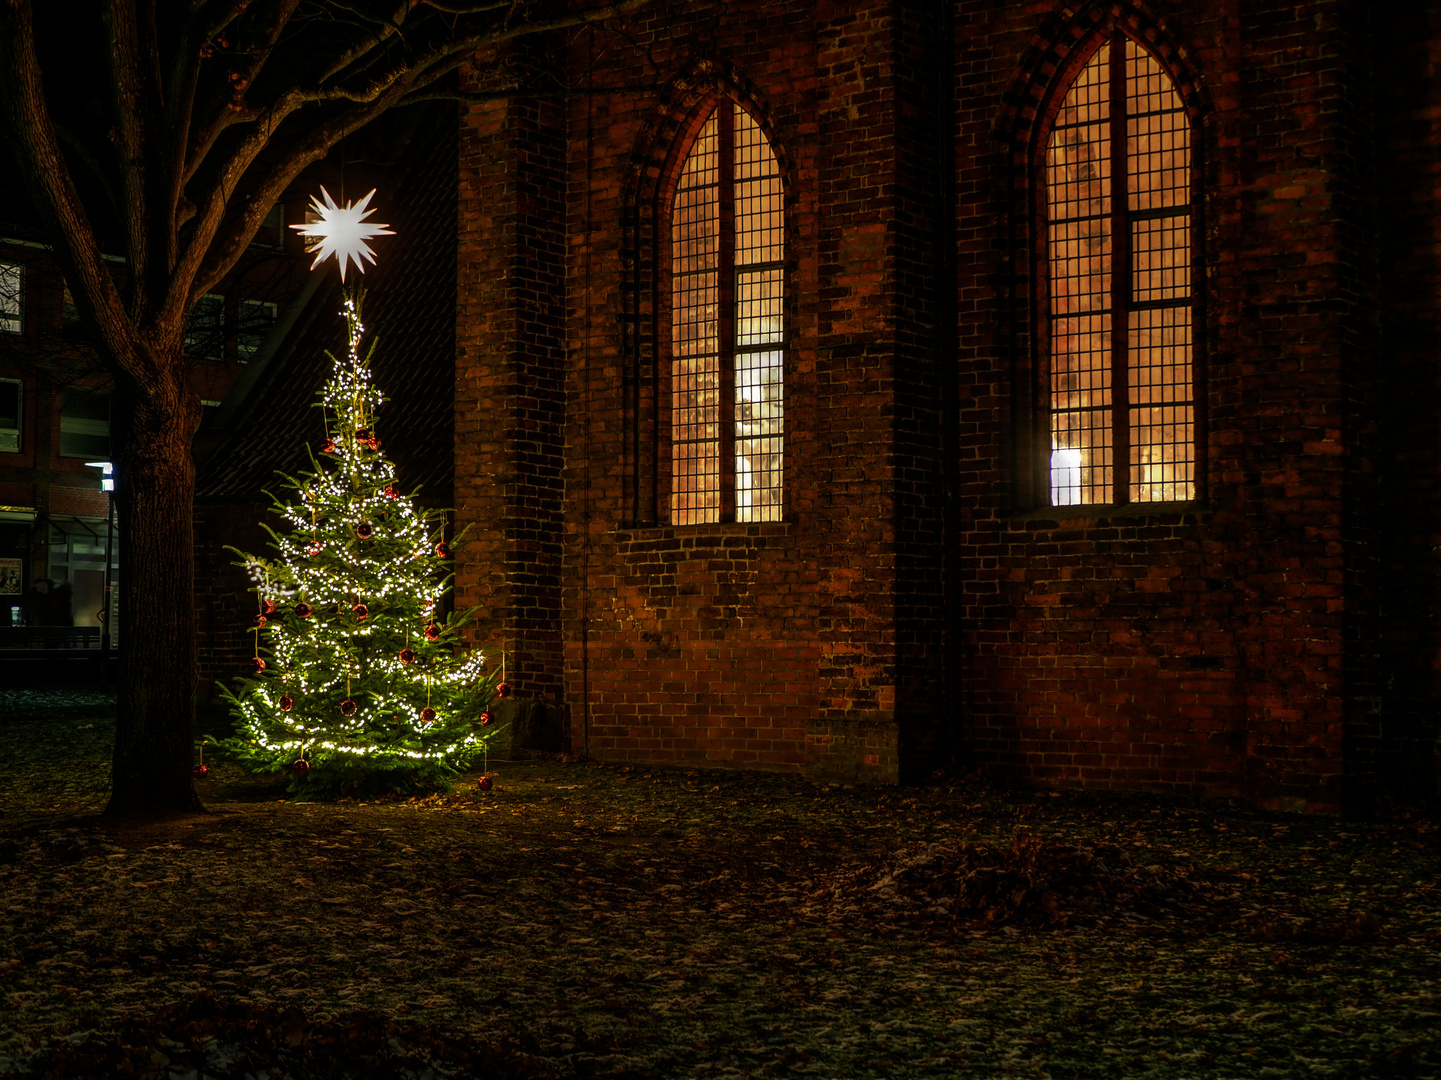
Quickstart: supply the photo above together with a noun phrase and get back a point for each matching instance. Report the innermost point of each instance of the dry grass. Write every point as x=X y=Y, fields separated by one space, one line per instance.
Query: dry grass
x=580 y=920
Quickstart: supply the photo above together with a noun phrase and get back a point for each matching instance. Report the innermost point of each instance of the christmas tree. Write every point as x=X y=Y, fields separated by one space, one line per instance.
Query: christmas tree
x=359 y=680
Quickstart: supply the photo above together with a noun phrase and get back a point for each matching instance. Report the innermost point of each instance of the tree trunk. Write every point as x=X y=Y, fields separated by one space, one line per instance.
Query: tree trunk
x=155 y=486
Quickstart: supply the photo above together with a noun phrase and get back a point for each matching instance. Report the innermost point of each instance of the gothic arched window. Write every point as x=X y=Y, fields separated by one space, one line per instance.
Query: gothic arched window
x=727 y=348
x=1120 y=314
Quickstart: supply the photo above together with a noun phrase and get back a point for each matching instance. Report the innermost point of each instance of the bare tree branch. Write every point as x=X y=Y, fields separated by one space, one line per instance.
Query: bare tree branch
x=179 y=94
x=222 y=188
x=364 y=47
x=224 y=119
x=392 y=23
x=85 y=153
x=55 y=195
x=232 y=111
x=244 y=75
x=131 y=109
x=225 y=249
x=469 y=9
x=421 y=96
x=588 y=17
x=213 y=16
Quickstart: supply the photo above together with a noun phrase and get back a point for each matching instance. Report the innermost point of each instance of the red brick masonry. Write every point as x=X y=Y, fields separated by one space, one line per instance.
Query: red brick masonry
x=919 y=606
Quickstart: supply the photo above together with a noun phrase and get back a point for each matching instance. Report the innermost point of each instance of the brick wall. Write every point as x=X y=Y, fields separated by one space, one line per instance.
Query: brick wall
x=1221 y=649
x=78 y=501
x=918 y=605
x=771 y=645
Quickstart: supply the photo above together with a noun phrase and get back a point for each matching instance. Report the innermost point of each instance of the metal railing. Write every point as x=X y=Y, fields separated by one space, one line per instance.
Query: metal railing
x=50 y=637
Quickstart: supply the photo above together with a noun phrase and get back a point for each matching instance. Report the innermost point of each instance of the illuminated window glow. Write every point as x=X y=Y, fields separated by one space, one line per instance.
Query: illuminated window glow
x=85 y=423
x=205 y=328
x=1121 y=316
x=256 y=319
x=12 y=298
x=727 y=328
x=12 y=412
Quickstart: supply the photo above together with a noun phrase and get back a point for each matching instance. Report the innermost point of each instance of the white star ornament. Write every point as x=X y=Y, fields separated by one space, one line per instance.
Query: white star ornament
x=341 y=231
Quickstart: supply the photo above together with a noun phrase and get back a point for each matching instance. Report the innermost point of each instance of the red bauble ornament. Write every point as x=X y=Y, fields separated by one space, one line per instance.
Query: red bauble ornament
x=301 y=767
x=484 y=719
x=407 y=656
x=391 y=491
x=257 y=665
x=443 y=550
x=260 y=621
x=313 y=550
x=286 y=703
x=427 y=715
x=432 y=632
x=360 y=611
x=483 y=783
x=347 y=707
x=200 y=770
x=373 y=443
x=268 y=607
x=362 y=434
x=328 y=446
x=503 y=690
x=364 y=530
x=303 y=610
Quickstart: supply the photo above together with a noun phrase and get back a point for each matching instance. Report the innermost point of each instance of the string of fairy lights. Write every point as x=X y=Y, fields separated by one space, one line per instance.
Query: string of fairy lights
x=353 y=598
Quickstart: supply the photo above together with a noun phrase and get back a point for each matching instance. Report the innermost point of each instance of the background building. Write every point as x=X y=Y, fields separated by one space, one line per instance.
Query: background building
x=56 y=412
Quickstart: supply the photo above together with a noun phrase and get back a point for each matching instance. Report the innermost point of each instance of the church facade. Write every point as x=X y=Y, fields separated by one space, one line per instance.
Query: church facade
x=874 y=388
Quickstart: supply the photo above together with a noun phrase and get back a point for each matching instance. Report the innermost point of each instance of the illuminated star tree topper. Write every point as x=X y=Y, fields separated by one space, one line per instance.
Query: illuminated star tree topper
x=341 y=231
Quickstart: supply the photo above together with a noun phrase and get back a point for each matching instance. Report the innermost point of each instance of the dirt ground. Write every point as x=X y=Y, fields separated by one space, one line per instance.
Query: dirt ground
x=581 y=920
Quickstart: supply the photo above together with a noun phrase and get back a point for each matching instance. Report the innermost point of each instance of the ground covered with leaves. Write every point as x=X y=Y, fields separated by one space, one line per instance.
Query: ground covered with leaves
x=600 y=921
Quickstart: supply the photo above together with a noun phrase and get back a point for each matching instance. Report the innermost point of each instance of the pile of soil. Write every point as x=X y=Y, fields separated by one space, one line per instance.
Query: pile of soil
x=1043 y=884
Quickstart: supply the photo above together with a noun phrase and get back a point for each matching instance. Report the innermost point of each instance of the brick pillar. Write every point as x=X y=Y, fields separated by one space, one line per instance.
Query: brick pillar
x=509 y=406
x=862 y=284
x=1294 y=399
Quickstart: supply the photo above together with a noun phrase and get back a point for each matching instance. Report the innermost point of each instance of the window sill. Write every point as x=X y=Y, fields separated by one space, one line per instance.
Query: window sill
x=1100 y=514
x=701 y=533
